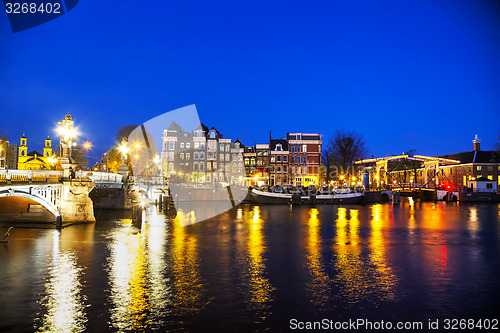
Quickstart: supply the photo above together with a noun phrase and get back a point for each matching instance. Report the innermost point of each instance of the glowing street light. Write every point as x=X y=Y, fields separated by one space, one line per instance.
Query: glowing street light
x=87 y=145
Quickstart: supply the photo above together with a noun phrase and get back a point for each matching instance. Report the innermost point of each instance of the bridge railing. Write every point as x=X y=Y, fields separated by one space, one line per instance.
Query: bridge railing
x=44 y=176
x=101 y=177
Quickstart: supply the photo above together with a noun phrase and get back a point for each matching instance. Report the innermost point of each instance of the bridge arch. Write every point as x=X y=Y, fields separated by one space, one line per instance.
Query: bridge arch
x=13 y=193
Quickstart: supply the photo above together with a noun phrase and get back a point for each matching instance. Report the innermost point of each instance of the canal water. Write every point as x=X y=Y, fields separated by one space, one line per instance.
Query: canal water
x=254 y=268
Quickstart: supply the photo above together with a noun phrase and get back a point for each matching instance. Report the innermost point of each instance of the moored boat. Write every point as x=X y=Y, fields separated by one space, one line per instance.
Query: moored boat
x=339 y=197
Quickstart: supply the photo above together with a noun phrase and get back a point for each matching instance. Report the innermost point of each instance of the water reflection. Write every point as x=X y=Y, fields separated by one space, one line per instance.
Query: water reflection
x=260 y=287
x=363 y=277
x=64 y=307
x=318 y=287
x=185 y=259
x=383 y=277
x=138 y=288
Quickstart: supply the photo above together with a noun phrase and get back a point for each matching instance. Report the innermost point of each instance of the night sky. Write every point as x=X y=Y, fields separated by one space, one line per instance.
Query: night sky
x=421 y=75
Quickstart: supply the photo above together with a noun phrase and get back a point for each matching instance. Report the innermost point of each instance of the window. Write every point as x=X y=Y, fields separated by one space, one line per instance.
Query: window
x=298 y=148
x=188 y=145
x=489 y=186
x=196 y=145
x=182 y=156
x=304 y=148
x=227 y=147
x=298 y=159
x=202 y=145
x=188 y=156
x=237 y=145
x=470 y=169
x=200 y=134
x=171 y=156
x=172 y=145
x=478 y=168
x=293 y=148
x=285 y=168
x=278 y=158
x=247 y=161
x=490 y=167
x=278 y=147
x=273 y=159
x=202 y=155
x=252 y=161
x=293 y=159
x=212 y=135
x=285 y=158
x=182 y=144
x=196 y=155
x=227 y=157
x=463 y=169
x=304 y=160
x=278 y=169
x=202 y=166
x=240 y=157
x=221 y=157
x=195 y=166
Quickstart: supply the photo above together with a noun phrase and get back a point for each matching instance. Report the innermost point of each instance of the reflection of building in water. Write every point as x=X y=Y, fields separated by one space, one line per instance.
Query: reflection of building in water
x=201 y=156
x=318 y=287
x=64 y=303
x=363 y=277
x=260 y=288
x=128 y=281
x=187 y=283
x=139 y=289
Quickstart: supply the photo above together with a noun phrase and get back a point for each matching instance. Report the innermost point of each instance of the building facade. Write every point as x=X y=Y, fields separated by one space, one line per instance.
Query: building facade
x=34 y=160
x=202 y=156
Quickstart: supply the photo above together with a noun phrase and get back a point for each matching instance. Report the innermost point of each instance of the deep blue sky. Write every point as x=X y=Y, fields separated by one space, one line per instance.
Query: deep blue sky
x=421 y=75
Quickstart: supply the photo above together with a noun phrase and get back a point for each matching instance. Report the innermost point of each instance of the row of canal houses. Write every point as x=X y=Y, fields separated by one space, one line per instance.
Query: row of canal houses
x=204 y=156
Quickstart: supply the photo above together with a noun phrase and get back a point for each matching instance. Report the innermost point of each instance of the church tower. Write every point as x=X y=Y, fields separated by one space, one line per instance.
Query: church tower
x=23 y=147
x=47 y=150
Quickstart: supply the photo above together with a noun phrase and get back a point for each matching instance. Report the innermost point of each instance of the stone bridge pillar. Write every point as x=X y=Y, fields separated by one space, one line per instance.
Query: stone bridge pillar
x=76 y=205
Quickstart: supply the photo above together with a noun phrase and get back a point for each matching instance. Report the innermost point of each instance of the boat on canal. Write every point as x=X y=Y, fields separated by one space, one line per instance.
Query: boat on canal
x=305 y=196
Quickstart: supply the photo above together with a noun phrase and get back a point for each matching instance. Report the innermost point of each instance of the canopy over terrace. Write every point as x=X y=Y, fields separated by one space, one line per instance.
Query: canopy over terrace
x=385 y=168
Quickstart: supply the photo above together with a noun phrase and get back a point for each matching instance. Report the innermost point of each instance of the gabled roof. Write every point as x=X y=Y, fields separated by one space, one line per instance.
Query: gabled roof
x=238 y=141
x=478 y=156
x=202 y=127
x=33 y=153
x=283 y=142
x=174 y=127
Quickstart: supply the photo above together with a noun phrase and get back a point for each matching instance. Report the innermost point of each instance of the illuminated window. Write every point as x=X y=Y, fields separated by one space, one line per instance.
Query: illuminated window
x=172 y=145
x=182 y=144
x=188 y=145
x=478 y=168
x=188 y=156
x=182 y=156
x=196 y=145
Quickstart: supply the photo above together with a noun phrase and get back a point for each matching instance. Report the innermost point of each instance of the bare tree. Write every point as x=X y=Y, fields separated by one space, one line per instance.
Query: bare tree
x=342 y=150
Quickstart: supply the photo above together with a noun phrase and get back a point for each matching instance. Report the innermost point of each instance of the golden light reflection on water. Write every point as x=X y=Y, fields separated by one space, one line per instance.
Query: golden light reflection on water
x=385 y=279
x=128 y=280
x=318 y=286
x=361 y=277
x=260 y=288
x=187 y=282
x=64 y=303
x=473 y=223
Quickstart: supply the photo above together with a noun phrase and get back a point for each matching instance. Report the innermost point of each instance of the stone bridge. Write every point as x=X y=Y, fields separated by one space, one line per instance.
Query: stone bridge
x=66 y=199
